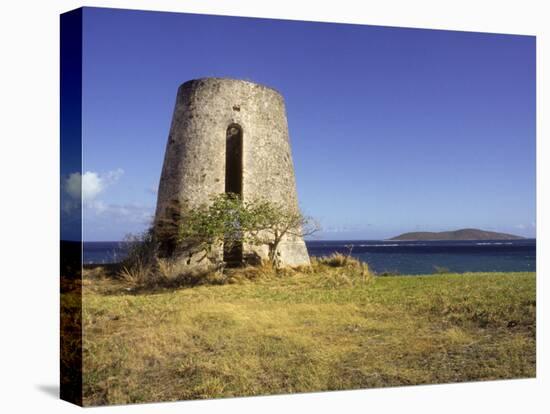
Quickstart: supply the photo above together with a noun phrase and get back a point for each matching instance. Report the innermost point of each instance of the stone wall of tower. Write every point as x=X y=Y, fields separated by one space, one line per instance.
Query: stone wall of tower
x=194 y=164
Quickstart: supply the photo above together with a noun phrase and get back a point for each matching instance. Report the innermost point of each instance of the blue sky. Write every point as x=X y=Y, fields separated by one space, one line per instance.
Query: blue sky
x=392 y=129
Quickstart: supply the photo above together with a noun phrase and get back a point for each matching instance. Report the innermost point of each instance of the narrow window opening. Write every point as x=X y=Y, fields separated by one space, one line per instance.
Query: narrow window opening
x=233 y=255
x=234 y=160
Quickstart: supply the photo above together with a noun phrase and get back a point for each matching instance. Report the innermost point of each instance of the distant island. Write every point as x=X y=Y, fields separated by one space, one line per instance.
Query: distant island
x=462 y=234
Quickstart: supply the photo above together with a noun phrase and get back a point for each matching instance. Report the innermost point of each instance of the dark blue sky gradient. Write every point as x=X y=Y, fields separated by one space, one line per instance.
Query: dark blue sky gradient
x=392 y=129
x=70 y=121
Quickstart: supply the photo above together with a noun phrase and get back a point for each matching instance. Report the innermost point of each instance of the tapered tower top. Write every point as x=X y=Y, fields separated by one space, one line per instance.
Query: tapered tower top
x=229 y=135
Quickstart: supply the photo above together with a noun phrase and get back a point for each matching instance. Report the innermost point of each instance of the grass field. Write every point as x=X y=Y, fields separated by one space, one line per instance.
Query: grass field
x=300 y=332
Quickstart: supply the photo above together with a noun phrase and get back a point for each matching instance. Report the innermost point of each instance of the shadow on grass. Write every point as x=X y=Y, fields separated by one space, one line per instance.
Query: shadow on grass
x=106 y=279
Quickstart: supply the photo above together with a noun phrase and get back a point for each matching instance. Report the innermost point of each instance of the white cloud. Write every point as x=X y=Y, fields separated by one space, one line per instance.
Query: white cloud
x=346 y=228
x=97 y=205
x=113 y=176
x=68 y=205
x=90 y=184
x=73 y=185
x=128 y=213
x=520 y=226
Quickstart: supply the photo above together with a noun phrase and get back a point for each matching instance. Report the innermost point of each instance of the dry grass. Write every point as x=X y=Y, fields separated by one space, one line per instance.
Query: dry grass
x=336 y=260
x=136 y=274
x=322 y=328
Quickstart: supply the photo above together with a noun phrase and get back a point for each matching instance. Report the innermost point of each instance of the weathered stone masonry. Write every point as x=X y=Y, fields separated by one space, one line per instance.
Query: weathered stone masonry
x=195 y=161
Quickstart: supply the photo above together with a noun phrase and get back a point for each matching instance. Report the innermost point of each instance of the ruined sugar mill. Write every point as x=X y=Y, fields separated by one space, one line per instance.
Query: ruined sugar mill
x=228 y=136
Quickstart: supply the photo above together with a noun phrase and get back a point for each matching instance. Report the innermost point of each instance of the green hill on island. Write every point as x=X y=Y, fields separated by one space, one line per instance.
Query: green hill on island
x=462 y=234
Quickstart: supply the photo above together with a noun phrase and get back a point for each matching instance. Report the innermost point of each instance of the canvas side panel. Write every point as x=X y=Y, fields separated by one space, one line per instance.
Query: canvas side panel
x=71 y=207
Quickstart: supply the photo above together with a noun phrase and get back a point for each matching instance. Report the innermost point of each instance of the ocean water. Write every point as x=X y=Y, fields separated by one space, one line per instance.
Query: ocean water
x=403 y=257
x=421 y=257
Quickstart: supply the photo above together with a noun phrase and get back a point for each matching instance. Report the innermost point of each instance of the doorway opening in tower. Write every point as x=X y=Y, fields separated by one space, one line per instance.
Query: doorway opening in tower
x=233 y=254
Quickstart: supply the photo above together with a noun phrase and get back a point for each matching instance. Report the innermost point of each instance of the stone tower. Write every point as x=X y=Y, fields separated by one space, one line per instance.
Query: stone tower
x=229 y=135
